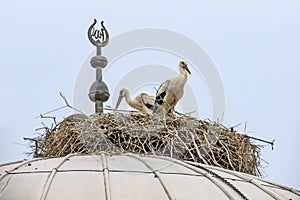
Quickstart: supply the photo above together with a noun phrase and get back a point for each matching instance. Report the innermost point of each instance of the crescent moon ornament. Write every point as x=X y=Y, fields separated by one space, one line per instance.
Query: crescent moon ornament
x=98 y=38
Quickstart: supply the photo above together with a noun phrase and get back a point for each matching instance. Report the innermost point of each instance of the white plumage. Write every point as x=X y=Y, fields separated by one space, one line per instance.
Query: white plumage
x=143 y=102
x=172 y=90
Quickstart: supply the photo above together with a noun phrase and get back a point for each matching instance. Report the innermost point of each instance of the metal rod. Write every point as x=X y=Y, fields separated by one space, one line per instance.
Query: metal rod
x=99 y=74
x=98 y=51
x=98 y=107
x=261 y=140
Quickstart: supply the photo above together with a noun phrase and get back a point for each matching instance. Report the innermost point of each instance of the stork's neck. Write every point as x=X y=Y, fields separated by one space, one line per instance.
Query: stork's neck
x=183 y=74
x=127 y=97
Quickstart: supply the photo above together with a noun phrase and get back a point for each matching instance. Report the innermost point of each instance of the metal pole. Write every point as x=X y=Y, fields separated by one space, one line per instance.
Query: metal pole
x=98 y=51
x=98 y=103
x=99 y=92
x=261 y=140
x=98 y=107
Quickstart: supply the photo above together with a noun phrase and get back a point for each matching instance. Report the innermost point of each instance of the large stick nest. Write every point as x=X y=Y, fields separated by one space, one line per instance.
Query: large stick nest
x=180 y=137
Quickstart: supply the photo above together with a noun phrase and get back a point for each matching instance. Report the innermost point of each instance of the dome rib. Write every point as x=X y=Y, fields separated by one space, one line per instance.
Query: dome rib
x=294 y=191
x=249 y=180
x=157 y=174
x=52 y=175
x=14 y=169
x=11 y=163
x=17 y=167
x=106 y=177
x=207 y=176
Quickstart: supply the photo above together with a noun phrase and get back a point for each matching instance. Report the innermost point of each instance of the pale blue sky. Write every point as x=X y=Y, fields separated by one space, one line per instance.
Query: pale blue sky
x=254 y=44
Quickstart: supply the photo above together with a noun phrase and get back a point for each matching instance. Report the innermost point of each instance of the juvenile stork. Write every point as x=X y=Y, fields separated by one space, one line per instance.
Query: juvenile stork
x=143 y=102
x=171 y=90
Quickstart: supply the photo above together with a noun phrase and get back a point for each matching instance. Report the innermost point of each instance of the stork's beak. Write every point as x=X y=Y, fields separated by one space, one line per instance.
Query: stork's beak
x=119 y=101
x=187 y=69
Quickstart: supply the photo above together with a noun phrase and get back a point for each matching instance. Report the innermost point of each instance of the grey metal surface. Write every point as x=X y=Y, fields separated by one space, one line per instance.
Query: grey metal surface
x=98 y=92
x=130 y=176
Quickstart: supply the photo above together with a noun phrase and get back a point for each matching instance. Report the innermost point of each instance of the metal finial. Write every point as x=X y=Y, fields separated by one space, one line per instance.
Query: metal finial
x=99 y=38
x=98 y=91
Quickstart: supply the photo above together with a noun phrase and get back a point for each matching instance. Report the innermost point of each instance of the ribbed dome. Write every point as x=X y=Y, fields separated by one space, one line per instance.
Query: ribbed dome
x=130 y=176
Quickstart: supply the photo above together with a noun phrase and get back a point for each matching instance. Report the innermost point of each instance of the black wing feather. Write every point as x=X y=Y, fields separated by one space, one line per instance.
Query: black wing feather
x=149 y=106
x=160 y=98
x=161 y=94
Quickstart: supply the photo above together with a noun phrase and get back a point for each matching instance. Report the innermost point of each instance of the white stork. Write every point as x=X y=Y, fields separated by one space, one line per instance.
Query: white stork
x=143 y=102
x=171 y=90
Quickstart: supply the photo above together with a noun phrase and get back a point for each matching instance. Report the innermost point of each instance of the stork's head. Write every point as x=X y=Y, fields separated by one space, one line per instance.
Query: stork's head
x=122 y=94
x=183 y=66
